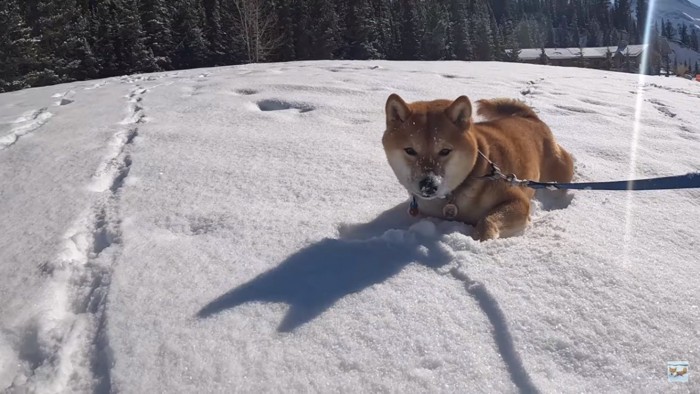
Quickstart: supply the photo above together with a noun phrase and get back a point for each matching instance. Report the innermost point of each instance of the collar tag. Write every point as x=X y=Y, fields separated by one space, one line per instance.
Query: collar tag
x=450 y=211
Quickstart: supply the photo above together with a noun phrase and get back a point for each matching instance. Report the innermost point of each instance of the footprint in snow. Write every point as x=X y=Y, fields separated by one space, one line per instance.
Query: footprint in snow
x=688 y=134
x=281 y=105
x=26 y=124
x=246 y=92
x=662 y=107
x=574 y=109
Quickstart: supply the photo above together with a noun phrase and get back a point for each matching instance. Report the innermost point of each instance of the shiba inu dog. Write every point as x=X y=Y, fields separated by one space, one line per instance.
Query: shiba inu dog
x=440 y=155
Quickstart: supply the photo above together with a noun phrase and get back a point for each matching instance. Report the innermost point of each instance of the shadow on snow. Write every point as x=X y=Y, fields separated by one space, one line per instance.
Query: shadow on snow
x=316 y=277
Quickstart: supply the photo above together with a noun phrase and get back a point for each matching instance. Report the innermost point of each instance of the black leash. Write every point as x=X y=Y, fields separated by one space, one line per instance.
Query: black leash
x=687 y=181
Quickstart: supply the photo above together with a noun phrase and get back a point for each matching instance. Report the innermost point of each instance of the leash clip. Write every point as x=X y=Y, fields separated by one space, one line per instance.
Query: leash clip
x=413 y=207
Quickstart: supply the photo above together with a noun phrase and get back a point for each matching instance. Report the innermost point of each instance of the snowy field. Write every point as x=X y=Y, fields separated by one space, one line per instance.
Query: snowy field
x=238 y=229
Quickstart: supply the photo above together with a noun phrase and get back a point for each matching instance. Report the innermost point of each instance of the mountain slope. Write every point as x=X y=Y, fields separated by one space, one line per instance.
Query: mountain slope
x=678 y=11
x=239 y=229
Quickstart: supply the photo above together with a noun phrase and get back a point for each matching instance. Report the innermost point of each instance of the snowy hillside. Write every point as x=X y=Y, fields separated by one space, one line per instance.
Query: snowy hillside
x=684 y=54
x=678 y=11
x=238 y=229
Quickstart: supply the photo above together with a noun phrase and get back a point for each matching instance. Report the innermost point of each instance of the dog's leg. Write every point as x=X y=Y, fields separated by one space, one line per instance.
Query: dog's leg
x=557 y=166
x=504 y=220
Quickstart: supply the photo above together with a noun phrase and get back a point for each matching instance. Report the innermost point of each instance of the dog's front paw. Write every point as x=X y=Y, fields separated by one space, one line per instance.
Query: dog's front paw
x=485 y=230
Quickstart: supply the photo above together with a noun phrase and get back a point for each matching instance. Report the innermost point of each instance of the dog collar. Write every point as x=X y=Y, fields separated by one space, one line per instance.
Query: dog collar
x=450 y=210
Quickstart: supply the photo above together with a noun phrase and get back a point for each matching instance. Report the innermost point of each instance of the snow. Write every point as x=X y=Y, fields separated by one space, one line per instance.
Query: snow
x=690 y=17
x=239 y=229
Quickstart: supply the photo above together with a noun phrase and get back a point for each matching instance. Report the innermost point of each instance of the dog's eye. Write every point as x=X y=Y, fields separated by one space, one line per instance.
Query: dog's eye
x=410 y=151
x=445 y=152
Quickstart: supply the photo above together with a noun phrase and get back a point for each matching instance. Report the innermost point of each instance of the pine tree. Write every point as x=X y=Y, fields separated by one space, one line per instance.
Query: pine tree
x=301 y=16
x=575 y=33
x=359 y=31
x=683 y=33
x=543 y=56
x=663 y=28
x=460 y=44
x=410 y=30
x=668 y=30
x=383 y=28
x=325 y=31
x=132 y=54
x=498 y=49
x=481 y=31
x=512 y=48
x=608 y=65
x=434 y=42
x=394 y=46
x=601 y=12
x=622 y=15
x=188 y=35
x=562 y=38
x=104 y=32
x=642 y=10
x=523 y=35
x=594 y=35
x=214 y=33
x=156 y=19
x=675 y=64
x=285 y=30
x=64 y=51
x=17 y=49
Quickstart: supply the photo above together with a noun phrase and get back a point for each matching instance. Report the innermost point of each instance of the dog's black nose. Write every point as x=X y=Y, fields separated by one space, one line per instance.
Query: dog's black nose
x=428 y=187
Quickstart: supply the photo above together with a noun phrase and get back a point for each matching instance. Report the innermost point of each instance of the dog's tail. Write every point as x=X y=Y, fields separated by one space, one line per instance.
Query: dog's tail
x=504 y=107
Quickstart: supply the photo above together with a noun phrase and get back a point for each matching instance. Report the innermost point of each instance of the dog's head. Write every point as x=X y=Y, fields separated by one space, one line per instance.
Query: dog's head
x=428 y=144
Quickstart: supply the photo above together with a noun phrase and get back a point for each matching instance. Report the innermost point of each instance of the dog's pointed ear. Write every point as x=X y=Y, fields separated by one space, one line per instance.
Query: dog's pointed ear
x=396 y=109
x=460 y=112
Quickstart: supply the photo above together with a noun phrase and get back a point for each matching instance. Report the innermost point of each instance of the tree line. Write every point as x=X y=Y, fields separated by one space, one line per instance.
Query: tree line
x=52 y=41
x=682 y=33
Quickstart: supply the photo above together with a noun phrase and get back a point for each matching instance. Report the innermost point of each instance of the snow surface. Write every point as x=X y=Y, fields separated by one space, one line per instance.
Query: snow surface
x=238 y=229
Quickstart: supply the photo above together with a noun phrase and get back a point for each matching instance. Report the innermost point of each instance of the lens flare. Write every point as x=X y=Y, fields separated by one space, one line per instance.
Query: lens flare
x=646 y=57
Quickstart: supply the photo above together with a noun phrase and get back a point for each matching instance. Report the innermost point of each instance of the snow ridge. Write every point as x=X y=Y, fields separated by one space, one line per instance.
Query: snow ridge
x=28 y=124
x=68 y=342
x=116 y=165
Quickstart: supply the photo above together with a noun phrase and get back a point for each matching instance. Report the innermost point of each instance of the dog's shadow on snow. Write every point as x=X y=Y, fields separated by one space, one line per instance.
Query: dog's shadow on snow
x=313 y=279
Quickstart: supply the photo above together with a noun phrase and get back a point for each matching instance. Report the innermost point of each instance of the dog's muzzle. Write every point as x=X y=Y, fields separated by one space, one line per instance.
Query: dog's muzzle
x=429 y=186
